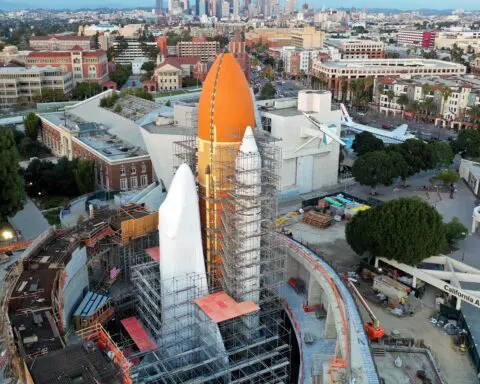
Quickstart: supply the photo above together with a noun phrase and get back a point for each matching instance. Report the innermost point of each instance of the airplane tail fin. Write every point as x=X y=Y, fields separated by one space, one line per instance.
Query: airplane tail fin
x=345 y=116
x=401 y=130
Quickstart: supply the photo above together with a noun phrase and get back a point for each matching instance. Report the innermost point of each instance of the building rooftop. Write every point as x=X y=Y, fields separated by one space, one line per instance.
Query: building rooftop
x=68 y=37
x=366 y=63
x=94 y=135
x=84 y=364
x=26 y=71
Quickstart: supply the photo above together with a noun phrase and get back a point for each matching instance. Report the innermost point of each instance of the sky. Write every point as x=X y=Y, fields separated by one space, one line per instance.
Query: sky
x=399 y=4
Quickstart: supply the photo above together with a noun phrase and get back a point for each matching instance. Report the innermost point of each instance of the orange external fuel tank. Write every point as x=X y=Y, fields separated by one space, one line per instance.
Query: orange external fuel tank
x=225 y=110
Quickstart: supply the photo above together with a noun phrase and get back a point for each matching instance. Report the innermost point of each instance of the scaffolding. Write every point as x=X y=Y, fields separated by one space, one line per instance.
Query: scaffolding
x=193 y=354
x=252 y=348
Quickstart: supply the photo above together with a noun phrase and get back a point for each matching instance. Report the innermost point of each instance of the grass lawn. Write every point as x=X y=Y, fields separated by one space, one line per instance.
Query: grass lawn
x=47 y=202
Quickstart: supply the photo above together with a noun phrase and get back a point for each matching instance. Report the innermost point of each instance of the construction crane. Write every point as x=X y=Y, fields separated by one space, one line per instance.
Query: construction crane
x=372 y=327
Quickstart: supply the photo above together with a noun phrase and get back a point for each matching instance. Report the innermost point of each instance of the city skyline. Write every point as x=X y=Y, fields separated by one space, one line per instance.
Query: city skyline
x=469 y=5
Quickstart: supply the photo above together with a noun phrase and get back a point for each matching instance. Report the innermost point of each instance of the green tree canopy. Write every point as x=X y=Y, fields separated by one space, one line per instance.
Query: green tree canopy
x=468 y=143
x=32 y=125
x=267 y=92
x=454 y=231
x=12 y=196
x=121 y=74
x=85 y=176
x=378 y=168
x=86 y=89
x=148 y=66
x=417 y=154
x=442 y=153
x=366 y=142
x=407 y=230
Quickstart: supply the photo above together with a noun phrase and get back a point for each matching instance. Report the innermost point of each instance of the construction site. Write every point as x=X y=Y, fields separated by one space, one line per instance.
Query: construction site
x=204 y=290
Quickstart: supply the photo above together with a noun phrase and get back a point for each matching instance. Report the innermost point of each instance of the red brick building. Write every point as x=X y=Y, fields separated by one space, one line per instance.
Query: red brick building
x=237 y=48
x=60 y=43
x=118 y=165
x=85 y=65
x=422 y=39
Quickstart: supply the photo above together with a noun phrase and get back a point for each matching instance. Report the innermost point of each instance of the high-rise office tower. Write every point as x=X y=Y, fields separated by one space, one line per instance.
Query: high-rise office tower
x=236 y=10
x=158 y=7
x=290 y=6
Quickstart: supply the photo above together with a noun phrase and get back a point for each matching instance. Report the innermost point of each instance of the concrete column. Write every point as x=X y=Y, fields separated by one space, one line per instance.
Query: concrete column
x=376 y=262
x=315 y=292
x=330 y=330
x=414 y=281
x=291 y=268
x=459 y=304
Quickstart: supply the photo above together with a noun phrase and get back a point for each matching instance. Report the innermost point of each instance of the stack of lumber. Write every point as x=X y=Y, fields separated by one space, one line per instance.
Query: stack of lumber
x=316 y=219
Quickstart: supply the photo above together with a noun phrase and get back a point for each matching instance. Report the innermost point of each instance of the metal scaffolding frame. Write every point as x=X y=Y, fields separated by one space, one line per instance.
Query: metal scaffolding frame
x=192 y=354
x=253 y=348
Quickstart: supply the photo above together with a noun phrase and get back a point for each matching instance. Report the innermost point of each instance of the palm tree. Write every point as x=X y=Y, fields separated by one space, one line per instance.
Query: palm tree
x=402 y=101
x=446 y=92
x=390 y=95
x=427 y=89
x=369 y=81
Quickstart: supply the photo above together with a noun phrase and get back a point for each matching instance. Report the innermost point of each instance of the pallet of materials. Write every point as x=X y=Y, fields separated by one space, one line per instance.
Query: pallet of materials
x=316 y=219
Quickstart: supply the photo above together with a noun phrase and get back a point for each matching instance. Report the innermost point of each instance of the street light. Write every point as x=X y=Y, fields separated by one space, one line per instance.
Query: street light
x=7 y=234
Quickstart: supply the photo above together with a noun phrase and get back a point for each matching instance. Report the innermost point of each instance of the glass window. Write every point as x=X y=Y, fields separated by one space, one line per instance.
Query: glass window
x=123 y=184
x=122 y=171
x=133 y=182
x=143 y=180
x=133 y=170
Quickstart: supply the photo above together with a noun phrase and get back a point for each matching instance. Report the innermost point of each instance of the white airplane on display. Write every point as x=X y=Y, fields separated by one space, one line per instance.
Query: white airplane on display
x=398 y=135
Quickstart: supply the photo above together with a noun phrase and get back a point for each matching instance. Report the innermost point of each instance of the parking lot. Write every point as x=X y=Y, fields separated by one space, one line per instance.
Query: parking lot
x=420 y=129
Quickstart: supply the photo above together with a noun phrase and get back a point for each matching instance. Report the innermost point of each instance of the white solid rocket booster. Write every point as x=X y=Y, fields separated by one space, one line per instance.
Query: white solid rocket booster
x=248 y=170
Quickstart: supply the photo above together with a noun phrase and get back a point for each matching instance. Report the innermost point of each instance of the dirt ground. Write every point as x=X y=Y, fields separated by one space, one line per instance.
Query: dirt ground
x=455 y=367
x=411 y=363
x=330 y=243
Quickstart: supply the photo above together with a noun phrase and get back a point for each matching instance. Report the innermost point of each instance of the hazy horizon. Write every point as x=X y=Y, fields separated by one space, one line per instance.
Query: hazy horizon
x=404 y=4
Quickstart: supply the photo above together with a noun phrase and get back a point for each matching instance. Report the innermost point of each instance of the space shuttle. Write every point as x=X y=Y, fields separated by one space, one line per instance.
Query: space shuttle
x=397 y=136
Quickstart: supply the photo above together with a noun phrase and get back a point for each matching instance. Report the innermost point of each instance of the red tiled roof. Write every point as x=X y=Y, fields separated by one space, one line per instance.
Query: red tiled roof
x=170 y=61
x=96 y=53
x=66 y=38
x=49 y=54
x=77 y=48
x=192 y=60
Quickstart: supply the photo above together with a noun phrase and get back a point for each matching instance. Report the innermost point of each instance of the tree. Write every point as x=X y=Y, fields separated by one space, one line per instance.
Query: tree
x=474 y=115
x=448 y=176
x=86 y=89
x=96 y=43
x=390 y=95
x=366 y=142
x=402 y=101
x=148 y=66
x=417 y=154
x=376 y=168
x=454 y=231
x=442 y=152
x=407 y=230
x=12 y=196
x=85 y=176
x=121 y=74
x=267 y=92
x=32 y=125
x=467 y=143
